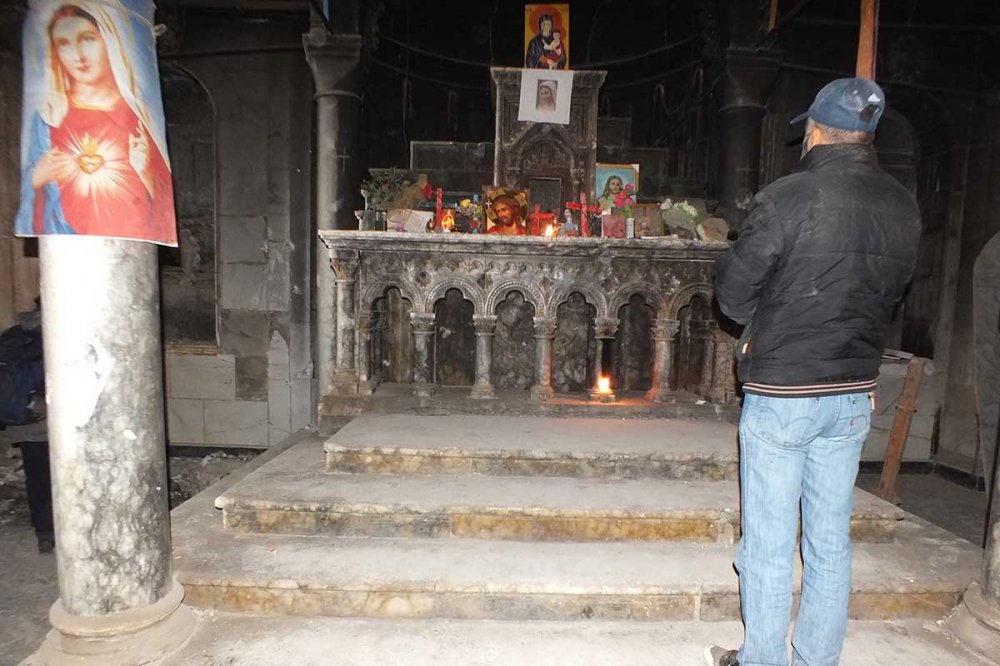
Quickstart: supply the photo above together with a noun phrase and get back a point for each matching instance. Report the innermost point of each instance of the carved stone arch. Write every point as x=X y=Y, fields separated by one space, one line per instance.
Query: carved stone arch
x=591 y=295
x=653 y=298
x=468 y=287
x=541 y=138
x=377 y=289
x=683 y=296
x=530 y=292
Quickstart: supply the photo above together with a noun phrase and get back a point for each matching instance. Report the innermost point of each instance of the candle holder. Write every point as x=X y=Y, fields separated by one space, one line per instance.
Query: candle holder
x=603 y=391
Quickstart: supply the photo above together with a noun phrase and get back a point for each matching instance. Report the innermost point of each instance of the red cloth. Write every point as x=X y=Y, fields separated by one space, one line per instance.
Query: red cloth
x=105 y=196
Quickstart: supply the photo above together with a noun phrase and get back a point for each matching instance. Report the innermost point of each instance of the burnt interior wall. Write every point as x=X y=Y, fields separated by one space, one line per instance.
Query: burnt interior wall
x=959 y=444
x=255 y=386
x=514 y=344
x=454 y=340
x=632 y=349
x=18 y=256
x=187 y=272
x=574 y=346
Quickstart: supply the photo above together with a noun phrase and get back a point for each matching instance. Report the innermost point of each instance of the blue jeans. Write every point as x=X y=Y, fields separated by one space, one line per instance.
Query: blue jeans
x=792 y=451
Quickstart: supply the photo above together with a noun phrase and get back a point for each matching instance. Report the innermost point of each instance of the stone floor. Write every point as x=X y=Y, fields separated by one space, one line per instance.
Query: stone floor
x=223 y=638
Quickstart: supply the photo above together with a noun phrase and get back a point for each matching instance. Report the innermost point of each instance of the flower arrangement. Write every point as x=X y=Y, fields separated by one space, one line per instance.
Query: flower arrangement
x=679 y=218
x=383 y=187
x=625 y=199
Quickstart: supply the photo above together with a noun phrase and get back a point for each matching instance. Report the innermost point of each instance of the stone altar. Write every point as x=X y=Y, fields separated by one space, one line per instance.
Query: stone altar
x=667 y=274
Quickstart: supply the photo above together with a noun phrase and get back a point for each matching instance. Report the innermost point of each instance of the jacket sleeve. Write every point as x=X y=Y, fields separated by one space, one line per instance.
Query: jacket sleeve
x=744 y=270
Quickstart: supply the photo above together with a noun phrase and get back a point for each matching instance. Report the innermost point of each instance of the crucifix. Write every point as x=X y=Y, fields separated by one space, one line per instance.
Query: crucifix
x=584 y=213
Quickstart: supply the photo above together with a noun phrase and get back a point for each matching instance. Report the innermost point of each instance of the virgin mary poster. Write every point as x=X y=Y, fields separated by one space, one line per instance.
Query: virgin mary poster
x=93 y=144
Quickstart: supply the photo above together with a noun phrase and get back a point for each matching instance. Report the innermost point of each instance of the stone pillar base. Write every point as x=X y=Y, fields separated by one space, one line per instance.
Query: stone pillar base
x=366 y=388
x=130 y=638
x=976 y=623
x=541 y=393
x=660 y=394
x=424 y=389
x=344 y=384
x=482 y=392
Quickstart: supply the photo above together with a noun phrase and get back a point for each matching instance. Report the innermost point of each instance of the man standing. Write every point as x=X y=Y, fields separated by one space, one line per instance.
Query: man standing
x=814 y=276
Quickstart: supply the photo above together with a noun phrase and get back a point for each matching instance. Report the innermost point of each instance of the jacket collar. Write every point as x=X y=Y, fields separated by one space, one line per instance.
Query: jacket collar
x=838 y=152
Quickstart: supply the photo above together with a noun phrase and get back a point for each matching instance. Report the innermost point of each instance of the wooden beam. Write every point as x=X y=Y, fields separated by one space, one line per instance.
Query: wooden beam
x=900 y=430
x=867 y=39
x=773 y=19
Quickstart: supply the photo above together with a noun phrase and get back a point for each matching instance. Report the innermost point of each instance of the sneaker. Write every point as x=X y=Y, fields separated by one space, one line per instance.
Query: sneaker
x=720 y=656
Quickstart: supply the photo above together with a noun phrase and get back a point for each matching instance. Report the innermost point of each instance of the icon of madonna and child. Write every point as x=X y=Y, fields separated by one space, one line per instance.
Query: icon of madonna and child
x=94 y=159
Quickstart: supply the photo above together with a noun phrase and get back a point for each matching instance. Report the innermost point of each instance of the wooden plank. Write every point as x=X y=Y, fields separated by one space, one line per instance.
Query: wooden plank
x=900 y=430
x=867 y=39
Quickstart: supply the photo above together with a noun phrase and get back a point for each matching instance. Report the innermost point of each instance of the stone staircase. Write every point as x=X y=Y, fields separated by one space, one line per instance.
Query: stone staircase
x=519 y=518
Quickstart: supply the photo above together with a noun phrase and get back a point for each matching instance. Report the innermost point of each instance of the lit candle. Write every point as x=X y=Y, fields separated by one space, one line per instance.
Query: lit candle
x=604 y=384
x=549 y=230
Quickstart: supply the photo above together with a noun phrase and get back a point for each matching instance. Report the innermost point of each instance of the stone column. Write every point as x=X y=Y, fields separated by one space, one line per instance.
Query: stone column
x=345 y=375
x=545 y=329
x=746 y=85
x=364 y=351
x=335 y=61
x=723 y=378
x=976 y=621
x=118 y=601
x=664 y=335
x=423 y=346
x=485 y=327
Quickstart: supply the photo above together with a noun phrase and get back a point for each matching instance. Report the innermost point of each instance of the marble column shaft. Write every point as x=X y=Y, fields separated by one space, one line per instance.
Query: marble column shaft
x=485 y=328
x=118 y=601
x=345 y=376
x=545 y=330
x=364 y=320
x=335 y=61
x=664 y=335
x=104 y=383
x=423 y=345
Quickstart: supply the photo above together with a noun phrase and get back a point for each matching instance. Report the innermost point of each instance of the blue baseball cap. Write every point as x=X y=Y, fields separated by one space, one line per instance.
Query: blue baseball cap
x=848 y=104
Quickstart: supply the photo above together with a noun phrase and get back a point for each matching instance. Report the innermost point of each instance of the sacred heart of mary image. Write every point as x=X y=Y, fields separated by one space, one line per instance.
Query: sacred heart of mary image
x=94 y=153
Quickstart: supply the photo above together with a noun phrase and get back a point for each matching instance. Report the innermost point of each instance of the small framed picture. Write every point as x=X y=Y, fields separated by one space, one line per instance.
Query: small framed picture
x=545 y=96
x=506 y=211
x=616 y=187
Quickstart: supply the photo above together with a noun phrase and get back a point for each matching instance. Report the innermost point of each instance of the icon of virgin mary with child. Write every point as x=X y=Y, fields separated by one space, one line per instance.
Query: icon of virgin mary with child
x=90 y=162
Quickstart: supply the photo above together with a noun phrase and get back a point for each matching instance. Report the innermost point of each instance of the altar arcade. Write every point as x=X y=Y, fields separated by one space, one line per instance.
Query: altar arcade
x=549 y=316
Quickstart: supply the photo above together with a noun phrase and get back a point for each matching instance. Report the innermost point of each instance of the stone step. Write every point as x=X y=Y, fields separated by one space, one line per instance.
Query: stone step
x=289 y=495
x=536 y=446
x=254 y=640
x=920 y=575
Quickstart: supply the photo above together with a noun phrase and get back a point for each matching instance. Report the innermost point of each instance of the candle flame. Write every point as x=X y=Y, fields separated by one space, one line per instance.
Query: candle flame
x=604 y=384
x=549 y=230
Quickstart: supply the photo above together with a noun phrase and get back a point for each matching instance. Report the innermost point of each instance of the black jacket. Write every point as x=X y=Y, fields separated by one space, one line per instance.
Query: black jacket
x=817 y=270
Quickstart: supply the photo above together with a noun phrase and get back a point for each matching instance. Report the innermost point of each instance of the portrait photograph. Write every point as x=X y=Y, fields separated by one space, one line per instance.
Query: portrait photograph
x=93 y=149
x=546 y=36
x=616 y=186
x=506 y=211
x=545 y=96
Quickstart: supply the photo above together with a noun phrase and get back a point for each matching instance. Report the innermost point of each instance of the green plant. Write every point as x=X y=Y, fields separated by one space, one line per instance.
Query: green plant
x=384 y=186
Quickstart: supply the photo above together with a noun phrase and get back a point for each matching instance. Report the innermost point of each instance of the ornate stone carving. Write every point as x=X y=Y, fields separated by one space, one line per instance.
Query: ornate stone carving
x=667 y=273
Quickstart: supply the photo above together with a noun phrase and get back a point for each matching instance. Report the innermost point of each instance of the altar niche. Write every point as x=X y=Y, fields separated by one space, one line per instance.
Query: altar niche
x=694 y=351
